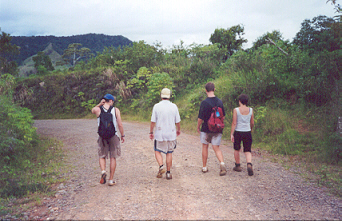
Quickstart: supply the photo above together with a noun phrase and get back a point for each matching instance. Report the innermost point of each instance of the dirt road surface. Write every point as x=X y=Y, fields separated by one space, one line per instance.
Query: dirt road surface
x=272 y=193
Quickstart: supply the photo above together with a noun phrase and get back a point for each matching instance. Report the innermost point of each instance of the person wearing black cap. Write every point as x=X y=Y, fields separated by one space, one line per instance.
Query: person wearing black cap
x=109 y=146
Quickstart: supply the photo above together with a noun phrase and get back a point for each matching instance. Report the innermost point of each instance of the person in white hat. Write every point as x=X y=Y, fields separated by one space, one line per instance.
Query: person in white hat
x=166 y=121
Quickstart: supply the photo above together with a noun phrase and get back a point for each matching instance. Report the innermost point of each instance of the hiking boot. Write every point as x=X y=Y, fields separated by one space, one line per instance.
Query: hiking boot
x=160 y=172
x=223 y=170
x=168 y=176
x=103 y=178
x=205 y=170
x=237 y=167
x=111 y=183
x=250 y=169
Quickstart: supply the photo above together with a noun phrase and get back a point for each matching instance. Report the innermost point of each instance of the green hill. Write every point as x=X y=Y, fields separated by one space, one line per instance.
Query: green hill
x=30 y=46
x=27 y=67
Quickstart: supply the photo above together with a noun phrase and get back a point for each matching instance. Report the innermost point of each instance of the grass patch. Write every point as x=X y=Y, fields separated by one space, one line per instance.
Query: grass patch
x=28 y=187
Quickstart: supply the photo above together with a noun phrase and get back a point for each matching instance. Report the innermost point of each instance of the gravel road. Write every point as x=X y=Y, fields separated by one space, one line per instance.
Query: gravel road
x=273 y=193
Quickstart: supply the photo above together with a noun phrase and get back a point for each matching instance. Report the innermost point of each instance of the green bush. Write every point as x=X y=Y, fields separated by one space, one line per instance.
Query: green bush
x=23 y=158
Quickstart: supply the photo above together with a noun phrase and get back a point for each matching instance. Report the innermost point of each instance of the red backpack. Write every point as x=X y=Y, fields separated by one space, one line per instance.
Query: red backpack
x=215 y=122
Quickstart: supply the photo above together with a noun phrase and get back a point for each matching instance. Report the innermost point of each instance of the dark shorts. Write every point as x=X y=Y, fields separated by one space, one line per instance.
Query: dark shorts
x=246 y=138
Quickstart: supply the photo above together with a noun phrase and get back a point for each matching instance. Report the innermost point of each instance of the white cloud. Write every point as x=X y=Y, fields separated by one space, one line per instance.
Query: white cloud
x=165 y=21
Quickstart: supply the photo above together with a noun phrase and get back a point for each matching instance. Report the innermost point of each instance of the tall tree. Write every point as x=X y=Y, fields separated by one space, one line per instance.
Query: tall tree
x=274 y=36
x=6 y=50
x=74 y=54
x=43 y=60
x=231 y=39
x=317 y=35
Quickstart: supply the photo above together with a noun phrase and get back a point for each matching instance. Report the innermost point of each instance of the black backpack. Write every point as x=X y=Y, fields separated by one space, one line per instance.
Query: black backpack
x=106 y=128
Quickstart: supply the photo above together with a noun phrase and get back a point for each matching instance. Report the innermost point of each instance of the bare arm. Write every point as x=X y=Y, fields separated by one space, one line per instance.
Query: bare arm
x=178 y=129
x=252 y=121
x=153 y=124
x=199 y=123
x=119 y=121
x=96 y=110
x=233 y=125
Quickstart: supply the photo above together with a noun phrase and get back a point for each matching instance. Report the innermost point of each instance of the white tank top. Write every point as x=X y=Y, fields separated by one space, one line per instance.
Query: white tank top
x=243 y=122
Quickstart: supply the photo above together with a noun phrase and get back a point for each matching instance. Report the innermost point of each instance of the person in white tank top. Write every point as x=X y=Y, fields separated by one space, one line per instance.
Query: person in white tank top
x=111 y=147
x=242 y=125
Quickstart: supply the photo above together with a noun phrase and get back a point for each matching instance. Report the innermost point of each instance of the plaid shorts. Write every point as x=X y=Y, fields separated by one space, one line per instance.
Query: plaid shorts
x=165 y=146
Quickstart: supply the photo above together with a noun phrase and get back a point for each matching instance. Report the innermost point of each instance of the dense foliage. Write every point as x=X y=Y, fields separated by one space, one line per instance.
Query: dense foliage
x=95 y=42
x=7 y=51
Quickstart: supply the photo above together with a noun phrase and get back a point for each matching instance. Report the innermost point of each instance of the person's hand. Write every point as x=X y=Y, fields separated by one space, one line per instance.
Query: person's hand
x=151 y=136
x=198 y=130
x=232 y=138
x=102 y=102
x=122 y=139
x=178 y=132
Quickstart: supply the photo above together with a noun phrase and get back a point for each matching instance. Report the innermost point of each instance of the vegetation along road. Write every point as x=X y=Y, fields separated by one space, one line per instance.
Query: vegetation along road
x=272 y=193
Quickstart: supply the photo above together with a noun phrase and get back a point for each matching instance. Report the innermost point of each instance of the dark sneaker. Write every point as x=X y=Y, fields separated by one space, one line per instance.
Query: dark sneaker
x=111 y=182
x=103 y=178
x=250 y=169
x=160 y=172
x=223 y=170
x=168 y=176
x=237 y=167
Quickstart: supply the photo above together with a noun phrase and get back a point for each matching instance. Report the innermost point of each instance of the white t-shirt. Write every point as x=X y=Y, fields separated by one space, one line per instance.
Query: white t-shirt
x=165 y=114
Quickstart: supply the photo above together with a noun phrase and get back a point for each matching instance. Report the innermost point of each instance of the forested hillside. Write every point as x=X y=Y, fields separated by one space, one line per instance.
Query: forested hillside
x=95 y=42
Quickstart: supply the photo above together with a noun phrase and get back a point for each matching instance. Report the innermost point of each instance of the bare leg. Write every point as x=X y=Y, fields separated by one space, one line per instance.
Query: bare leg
x=168 y=161
x=237 y=156
x=112 y=168
x=205 y=154
x=159 y=157
x=218 y=152
x=248 y=157
x=102 y=162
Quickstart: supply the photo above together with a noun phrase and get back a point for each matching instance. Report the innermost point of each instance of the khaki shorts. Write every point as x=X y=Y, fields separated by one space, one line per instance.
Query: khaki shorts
x=111 y=146
x=213 y=138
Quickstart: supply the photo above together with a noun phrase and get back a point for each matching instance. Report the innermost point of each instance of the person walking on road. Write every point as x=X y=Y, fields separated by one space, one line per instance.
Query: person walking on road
x=108 y=141
x=242 y=125
x=206 y=135
x=166 y=121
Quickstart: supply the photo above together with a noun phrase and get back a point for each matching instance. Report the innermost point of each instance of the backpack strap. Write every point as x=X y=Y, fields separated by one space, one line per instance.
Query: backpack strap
x=102 y=109
x=110 y=109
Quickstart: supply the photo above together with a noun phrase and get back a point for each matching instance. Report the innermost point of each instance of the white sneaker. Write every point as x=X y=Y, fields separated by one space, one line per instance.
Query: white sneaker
x=111 y=183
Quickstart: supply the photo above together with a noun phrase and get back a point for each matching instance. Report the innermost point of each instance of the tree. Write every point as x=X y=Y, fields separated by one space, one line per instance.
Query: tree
x=317 y=35
x=231 y=39
x=74 y=54
x=6 y=50
x=43 y=60
x=338 y=9
x=274 y=36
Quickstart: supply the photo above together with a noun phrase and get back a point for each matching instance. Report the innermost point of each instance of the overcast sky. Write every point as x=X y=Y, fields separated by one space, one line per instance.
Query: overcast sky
x=164 y=21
